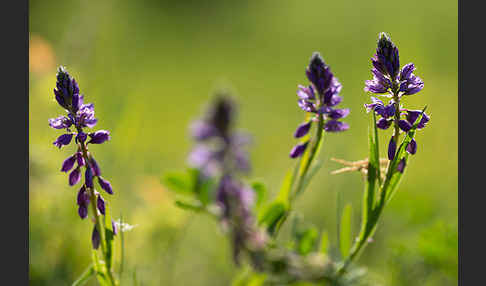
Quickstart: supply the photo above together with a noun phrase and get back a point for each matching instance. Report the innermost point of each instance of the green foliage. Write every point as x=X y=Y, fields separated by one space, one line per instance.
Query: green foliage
x=345 y=231
x=84 y=278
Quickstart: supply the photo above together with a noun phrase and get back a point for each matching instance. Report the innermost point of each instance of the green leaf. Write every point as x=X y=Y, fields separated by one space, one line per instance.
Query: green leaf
x=260 y=192
x=373 y=178
x=87 y=274
x=345 y=231
x=109 y=235
x=284 y=193
x=179 y=182
x=272 y=216
x=307 y=240
x=189 y=206
x=323 y=247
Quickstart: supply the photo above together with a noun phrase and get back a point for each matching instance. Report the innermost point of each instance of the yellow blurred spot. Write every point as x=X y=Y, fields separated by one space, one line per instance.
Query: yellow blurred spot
x=41 y=55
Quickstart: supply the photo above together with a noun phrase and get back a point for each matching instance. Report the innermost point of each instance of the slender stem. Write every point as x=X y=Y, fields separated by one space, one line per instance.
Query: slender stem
x=370 y=225
x=313 y=152
x=99 y=224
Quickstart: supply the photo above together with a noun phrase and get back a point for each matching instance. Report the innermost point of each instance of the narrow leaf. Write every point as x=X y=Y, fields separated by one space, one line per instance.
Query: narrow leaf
x=345 y=231
x=87 y=274
x=260 y=192
x=323 y=247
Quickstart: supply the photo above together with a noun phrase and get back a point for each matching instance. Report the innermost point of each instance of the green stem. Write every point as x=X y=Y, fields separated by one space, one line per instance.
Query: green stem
x=98 y=221
x=369 y=225
x=313 y=152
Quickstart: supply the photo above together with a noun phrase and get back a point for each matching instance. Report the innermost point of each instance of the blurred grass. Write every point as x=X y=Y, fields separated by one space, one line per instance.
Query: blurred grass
x=150 y=66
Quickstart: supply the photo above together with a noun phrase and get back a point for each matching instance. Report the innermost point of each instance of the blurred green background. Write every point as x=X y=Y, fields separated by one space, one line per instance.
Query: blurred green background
x=150 y=67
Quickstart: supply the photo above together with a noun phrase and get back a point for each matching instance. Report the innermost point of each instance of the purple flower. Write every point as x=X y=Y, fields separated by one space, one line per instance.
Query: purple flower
x=68 y=163
x=99 y=137
x=201 y=130
x=83 y=211
x=410 y=83
x=401 y=165
x=392 y=148
x=412 y=147
x=379 y=84
x=105 y=185
x=95 y=238
x=83 y=196
x=64 y=139
x=335 y=126
x=386 y=60
x=88 y=176
x=95 y=167
x=236 y=201
x=306 y=92
x=298 y=150
x=67 y=90
x=303 y=129
x=74 y=176
x=100 y=204
x=219 y=147
x=81 y=137
x=85 y=116
x=383 y=123
x=80 y=159
x=404 y=125
x=61 y=122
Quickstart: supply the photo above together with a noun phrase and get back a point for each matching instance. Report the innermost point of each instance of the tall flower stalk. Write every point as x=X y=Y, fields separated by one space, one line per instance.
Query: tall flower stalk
x=78 y=117
x=392 y=82
x=318 y=100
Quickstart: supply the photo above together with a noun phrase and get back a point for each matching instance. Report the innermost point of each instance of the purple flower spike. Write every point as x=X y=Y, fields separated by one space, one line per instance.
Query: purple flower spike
x=83 y=211
x=404 y=125
x=95 y=167
x=80 y=159
x=392 y=148
x=335 y=126
x=74 y=176
x=412 y=147
x=303 y=129
x=62 y=140
x=298 y=150
x=95 y=238
x=105 y=185
x=386 y=59
x=68 y=163
x=99 y=137
x=401 y=165
x=100 y=203
x=88 y=176
x=383 y=123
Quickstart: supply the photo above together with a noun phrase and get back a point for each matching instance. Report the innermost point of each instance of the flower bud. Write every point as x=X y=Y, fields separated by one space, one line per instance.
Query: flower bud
x=74 y=176
x=68 y=163
x=105 y=185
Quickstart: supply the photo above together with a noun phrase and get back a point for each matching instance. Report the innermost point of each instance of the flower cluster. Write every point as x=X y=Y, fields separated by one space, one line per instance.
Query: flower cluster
x=319 y=99
x=220 y=153
x=218 y=147
x=80 y=115
x=391 y=81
